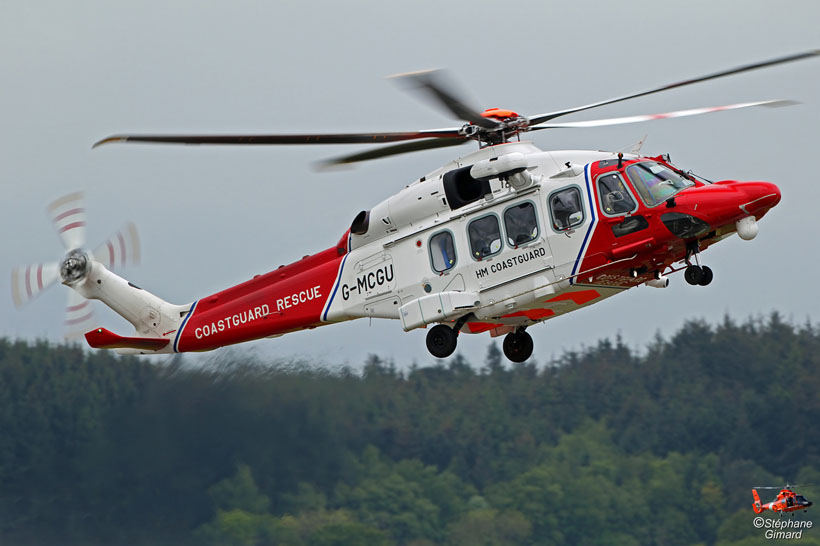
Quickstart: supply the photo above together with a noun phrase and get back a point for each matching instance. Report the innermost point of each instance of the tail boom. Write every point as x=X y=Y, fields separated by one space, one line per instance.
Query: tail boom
x=284 y=300
x=287 y=299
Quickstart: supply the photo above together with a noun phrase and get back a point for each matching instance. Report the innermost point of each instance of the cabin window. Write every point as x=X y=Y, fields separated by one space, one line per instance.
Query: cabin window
x=485 y=237
x=615 y=198
x=442 y=252
x=520 y=224
x=566 y=209
x=655 y=182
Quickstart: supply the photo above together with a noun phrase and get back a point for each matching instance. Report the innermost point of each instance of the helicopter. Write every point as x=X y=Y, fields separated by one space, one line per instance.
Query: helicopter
x=496 y=241
x=786 y=501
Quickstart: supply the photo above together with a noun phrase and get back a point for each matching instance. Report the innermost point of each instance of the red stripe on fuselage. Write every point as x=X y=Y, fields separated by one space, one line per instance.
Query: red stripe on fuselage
x=286 y=299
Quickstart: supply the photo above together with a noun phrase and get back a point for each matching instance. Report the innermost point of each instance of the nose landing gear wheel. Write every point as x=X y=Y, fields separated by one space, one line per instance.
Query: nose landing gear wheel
x=441 y=341
x=518 y=346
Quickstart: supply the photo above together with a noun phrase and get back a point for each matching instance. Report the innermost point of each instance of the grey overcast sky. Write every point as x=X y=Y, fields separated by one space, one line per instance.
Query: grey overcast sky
x=210 y=217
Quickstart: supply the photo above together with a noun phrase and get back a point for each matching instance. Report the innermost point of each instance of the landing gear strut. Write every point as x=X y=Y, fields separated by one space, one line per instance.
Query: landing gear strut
x=696 y=274
x=518 y=346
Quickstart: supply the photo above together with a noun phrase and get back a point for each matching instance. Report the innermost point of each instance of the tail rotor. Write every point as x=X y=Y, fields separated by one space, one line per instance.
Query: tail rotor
x=28 y=281
x=69 y=219
x=757 y=506
x=79 y=316
x=120 y=249
x=68 y=216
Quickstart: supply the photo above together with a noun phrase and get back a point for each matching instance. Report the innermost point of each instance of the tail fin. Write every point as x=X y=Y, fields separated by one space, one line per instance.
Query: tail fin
x=757 y=506
x=104 y=339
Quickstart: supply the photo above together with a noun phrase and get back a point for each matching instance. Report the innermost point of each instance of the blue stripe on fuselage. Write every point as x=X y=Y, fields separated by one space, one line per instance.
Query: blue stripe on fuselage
x=591 y=224
x=182 y=326
x=335 y=288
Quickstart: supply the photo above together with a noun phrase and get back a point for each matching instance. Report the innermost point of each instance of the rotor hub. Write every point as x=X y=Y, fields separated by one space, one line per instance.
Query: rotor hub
x=74 y=266
x=509 y=124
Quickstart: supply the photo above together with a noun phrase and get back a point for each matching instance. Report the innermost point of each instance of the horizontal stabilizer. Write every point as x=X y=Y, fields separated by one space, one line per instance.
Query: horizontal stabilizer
x=100 y=338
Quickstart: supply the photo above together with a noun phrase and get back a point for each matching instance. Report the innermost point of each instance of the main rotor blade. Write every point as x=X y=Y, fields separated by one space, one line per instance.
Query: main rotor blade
x=68 y=216
x=337 y=138
x=667 y=115
x=535 y=120
x=120 y=249
x=27 y=282
x=396 y=149
x=433 y=83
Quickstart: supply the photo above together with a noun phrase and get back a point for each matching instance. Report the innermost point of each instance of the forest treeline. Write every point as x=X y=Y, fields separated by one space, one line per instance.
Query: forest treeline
x=602 y=446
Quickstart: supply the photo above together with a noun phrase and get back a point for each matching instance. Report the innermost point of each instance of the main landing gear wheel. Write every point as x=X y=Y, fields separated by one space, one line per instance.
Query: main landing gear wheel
x=698 y=275
x=707 y=275
x=441 y=341
x=693 y=275
x=518 y=346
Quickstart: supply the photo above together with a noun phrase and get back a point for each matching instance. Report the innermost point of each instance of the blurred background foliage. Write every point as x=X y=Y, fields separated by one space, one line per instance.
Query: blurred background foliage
x=606 y=445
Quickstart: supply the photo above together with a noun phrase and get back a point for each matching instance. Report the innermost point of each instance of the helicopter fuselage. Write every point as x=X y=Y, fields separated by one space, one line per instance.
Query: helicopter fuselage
x=496 y=241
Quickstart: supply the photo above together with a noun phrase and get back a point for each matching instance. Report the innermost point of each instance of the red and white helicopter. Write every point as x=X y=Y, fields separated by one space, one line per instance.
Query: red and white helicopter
x=496 y=241
x=786 y=501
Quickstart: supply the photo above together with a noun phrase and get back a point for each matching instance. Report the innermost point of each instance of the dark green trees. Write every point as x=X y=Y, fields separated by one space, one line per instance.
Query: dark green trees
x=603 y=446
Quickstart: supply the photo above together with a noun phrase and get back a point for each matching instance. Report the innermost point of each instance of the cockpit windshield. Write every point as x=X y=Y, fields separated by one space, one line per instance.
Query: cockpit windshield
x=655 y=182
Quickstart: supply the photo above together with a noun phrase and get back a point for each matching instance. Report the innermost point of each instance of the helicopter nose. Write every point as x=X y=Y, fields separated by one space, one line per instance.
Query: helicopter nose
x=761 y=197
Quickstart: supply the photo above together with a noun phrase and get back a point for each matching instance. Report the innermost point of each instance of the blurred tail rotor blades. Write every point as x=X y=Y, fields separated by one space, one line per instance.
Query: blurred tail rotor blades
x=121 y=249
x=79 y=315
x=68 y=216
x=27 y=282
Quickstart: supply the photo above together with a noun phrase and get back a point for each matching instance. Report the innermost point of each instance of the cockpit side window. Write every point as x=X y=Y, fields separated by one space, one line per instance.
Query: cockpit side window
x=485 y=237
x=615 y=197
x=566 y=209
x=442 y=252
x=520 y=224
x=655 y=182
